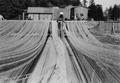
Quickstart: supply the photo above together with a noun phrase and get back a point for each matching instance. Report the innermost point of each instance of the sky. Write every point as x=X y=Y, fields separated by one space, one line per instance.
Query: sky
x=107 y=3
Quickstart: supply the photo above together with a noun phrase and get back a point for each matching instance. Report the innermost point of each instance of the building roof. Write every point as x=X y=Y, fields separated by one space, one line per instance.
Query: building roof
x=81 y=7
x=39 y=10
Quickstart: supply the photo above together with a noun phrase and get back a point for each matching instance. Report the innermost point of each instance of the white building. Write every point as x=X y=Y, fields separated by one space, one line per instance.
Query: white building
x=82 y=12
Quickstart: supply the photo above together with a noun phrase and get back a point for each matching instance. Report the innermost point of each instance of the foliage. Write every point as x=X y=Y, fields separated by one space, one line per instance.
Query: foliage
x=95 y=11
x=91 y=11
x=13 y=8
x=92 y=2
x=84 y=2
x=110 y=13
x=99 y=12
x=114 y=12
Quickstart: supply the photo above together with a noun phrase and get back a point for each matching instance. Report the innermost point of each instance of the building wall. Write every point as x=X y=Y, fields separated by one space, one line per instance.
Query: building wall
x=55 y=12
x=45 y=17
x=66 y=11
x=40 y=16
x=77 y=10
x=82 y=12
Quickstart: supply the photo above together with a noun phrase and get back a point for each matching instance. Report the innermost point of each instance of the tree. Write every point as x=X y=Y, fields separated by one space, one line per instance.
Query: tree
x=67 y=2
x=92 y=2
x=99 y=12
x=13 y=8
x=84 y=3
x=115 y=12
x=95 y=11
x=91 y=11
x=6 y=9
x=80 y=2
x=110 y=13
x=75 y=2
x=23 y=4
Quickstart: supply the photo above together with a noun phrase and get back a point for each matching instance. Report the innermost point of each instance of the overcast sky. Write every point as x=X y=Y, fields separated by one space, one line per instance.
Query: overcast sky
x=106 y=3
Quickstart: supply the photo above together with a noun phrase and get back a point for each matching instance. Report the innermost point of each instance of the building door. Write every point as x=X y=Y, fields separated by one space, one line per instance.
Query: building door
x=36 y=16
x=72 y=14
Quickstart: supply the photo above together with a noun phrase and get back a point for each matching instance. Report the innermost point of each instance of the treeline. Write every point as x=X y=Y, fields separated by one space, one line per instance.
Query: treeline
x=95 y=11
x=13 y=8
x=60 y=3
x=113 y=13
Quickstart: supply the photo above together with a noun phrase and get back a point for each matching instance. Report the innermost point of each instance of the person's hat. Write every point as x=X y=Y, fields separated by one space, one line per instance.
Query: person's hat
x=61 y=13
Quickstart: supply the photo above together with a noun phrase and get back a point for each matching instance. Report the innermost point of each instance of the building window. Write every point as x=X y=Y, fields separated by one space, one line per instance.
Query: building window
x=81 y=14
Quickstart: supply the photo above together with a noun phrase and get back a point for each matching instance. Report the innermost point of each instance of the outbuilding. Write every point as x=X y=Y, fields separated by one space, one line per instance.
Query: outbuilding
x=39 y=13
x=81 y=12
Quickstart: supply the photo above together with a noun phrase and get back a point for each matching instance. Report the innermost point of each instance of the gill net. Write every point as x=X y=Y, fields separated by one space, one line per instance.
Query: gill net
x=74 y=57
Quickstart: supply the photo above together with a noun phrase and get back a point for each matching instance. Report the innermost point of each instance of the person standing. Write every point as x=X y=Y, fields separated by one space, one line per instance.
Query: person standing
x=60 y=24
x=77 y=17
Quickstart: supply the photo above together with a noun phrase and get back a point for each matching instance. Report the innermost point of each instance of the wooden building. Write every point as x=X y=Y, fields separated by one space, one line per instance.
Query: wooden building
x=39 y=13
x=70 y=12
x=81 y=12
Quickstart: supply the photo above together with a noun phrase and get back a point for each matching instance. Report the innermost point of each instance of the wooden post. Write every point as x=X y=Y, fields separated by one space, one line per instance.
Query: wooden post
x=23 y=15
x=19 y=17
x=113 y=28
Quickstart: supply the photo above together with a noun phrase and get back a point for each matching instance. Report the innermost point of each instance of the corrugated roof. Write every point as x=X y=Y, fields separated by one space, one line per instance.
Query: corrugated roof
x=80 y=7
x=39 y=10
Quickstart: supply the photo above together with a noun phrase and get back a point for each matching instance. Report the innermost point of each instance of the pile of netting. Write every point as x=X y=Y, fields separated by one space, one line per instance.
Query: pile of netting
x=107 y=27
x=20 y=43
x=98 y=62
x=107 y=32
x=52 y=54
